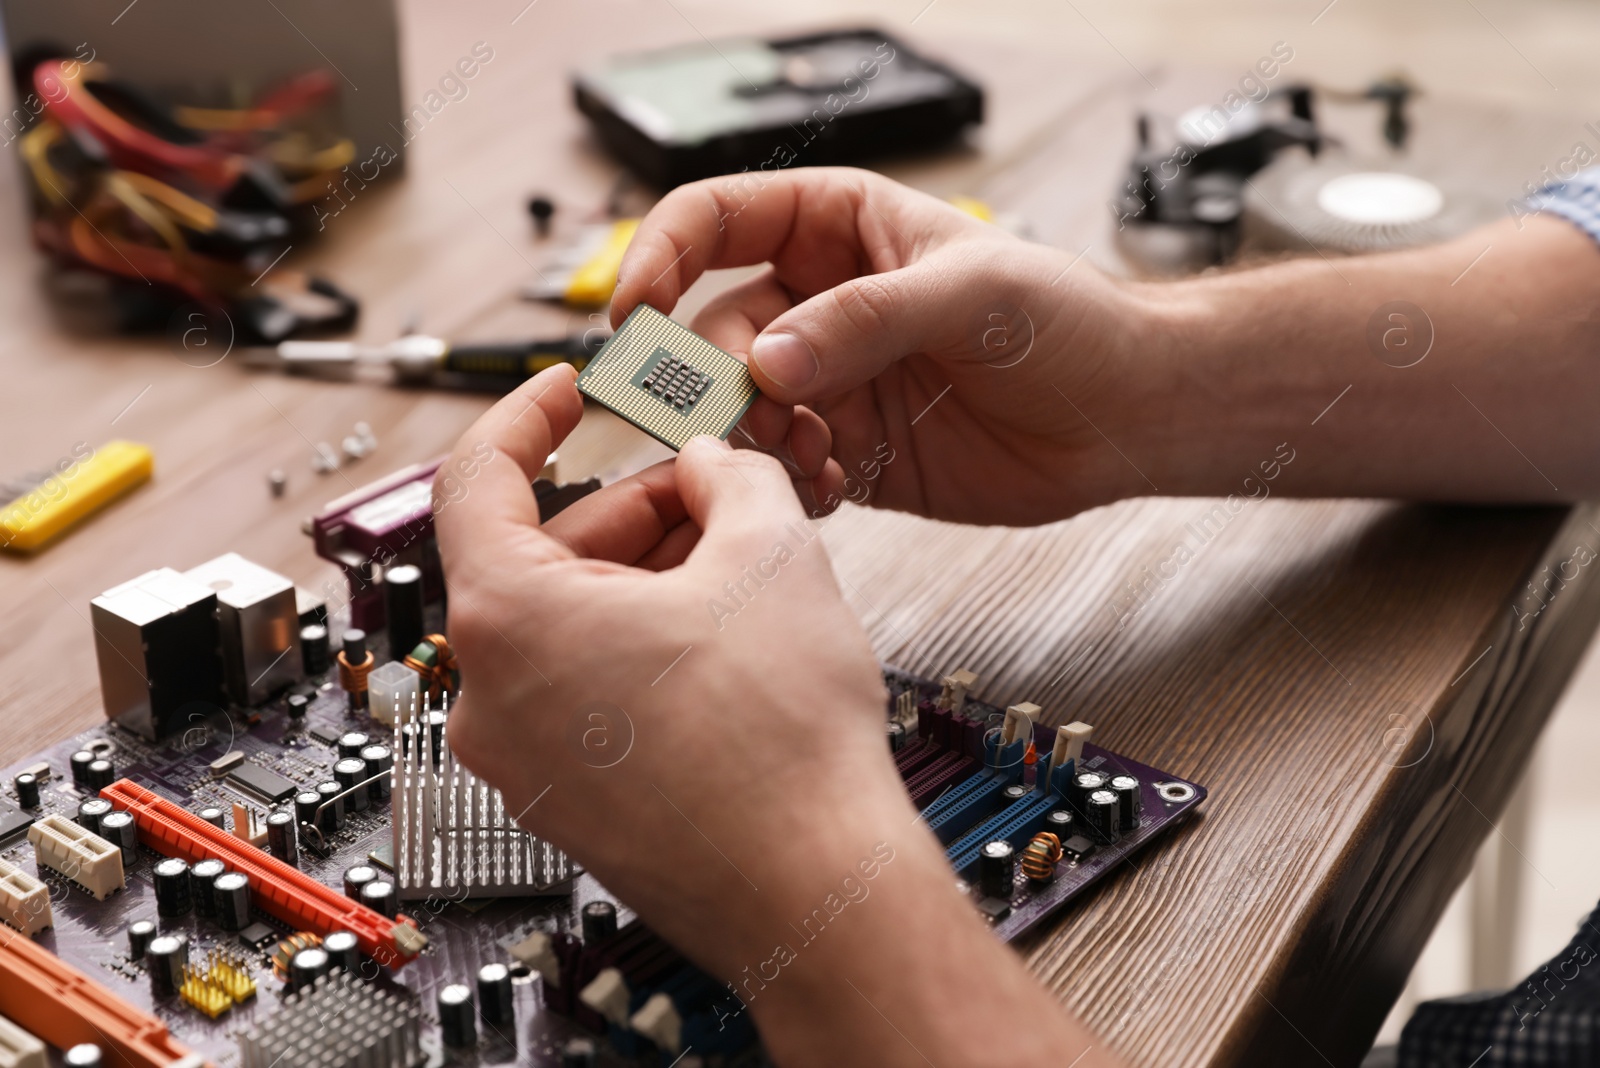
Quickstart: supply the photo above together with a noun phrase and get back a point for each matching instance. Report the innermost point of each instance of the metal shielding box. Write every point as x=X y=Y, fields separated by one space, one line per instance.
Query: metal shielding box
x=260 y=624
x=159 y=650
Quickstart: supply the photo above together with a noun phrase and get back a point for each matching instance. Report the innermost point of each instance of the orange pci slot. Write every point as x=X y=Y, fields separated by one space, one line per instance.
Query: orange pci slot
x=65 y=1007
x=276 y=888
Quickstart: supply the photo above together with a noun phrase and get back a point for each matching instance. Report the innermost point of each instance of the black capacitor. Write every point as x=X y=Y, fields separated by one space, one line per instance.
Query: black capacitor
x=436 y=722
x=541 y=208
x=173 y=897
x=27 y=785
x=996 y=864
x=458 y=1024
x=297 y=705
x=164 y=958
x=232 y=891
x=140 y=932
x=1059 y=823
x=1129 y=803
x=599 y=921
x=1100 y=814
x=122 y=831
x=203 y=885
x=896 y=733
x=1084 y=784
x=357 y=878
x=283 y=838
x=496 y=1003
x=349 y=774
x=214 y=816
x=402 y=605
x=314 y=648
x=379 y=896
x=99 y=774
x=80 y=762
x=580 y=1052
x=1014 y=793
x=306 y=967
x=344 y=952
x=333 y=814
x=83 y=1055
x=351 y=744
x=378 y=761
x=354 y=646
x=91 y=810
x=305 y=806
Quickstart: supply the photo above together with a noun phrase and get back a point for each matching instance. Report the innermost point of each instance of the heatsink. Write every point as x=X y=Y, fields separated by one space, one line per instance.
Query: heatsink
x=338 y=1022
x=453 y=837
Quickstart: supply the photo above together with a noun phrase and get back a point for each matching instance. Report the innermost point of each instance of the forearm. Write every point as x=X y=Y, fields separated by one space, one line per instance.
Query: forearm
x=904 y=972
x=1504 y=406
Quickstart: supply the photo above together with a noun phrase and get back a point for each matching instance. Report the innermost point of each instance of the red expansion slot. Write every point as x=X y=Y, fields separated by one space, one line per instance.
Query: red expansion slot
x=282 y=891
x=64 y=1007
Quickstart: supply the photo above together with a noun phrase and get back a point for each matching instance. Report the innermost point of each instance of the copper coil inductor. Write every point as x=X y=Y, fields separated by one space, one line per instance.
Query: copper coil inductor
x=1040 y=858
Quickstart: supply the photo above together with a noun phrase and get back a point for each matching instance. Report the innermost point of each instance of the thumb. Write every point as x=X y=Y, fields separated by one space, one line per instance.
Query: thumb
x=846 y=335
x=740 y=499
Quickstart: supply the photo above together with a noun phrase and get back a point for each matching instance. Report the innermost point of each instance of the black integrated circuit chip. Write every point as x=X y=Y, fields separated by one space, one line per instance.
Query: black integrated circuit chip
x=13 y=820
x=261 y=782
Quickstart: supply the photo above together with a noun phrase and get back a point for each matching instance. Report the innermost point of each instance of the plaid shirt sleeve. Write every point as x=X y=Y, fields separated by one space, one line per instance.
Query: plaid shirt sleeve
x=1577 y=200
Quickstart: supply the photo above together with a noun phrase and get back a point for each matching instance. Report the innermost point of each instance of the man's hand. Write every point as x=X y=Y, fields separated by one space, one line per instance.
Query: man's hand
x=665 y=682
x=892 y=325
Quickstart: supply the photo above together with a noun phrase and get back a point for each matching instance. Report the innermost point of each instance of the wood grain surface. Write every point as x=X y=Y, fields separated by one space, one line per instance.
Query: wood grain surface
x=1348 y=678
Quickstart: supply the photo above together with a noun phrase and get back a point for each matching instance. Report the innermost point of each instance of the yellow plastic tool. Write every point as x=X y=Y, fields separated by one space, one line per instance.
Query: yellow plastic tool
x=74 y=491
x=595 y=279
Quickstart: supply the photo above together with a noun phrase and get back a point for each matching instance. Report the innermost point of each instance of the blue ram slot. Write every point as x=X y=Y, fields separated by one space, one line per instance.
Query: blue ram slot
x=949 y=824
x=956 y=793
x=1016 y=825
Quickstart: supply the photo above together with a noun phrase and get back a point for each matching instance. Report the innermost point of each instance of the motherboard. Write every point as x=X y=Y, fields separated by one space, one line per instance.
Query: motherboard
x=269 y=856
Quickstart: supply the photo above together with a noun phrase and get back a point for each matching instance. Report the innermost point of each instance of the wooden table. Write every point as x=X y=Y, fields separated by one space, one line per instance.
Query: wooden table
x=1348 y=677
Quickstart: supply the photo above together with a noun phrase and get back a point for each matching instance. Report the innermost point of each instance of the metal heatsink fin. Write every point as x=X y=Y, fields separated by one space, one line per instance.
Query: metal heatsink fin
x=340 y=1022
x=453 y=837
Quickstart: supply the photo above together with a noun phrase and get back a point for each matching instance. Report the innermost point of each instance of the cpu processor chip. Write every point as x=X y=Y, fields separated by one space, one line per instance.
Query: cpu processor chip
x=667 y=380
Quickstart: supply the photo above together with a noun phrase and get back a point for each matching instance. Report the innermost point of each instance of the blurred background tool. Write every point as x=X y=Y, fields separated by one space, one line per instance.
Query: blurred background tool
x=421 y=360
x=39 y=507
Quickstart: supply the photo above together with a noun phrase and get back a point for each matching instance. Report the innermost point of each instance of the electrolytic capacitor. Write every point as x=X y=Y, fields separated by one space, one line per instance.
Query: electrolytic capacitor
x=122 y=831
x=354 y=666
x=1013 y=793
x=402 y=605
x=344 y=951
x=1100 y=813
x=214 y=816
x=599 y=920
x=333 y=812
x=1129 y=803
x=378 y=760
x=1084 y=784
x=305 y=806
x=80 y=762
x=306 y=967
x=83 y=1055
x=140 y=932
x=164 y=958
x=99 y=774
x=283 y=838
x=379 y=896
x=91 y=811
x=350 y=773
x=436 y=722
x=996 y=862
x=1059 y=823
x=496 y=1003
x=356 y=880
x=458 y=1024
x=352 y=743
x=232 y=890
x=173 y=896
x=314 y=648
x=896 y=733
x=203 y=885
x=27 y=786
x=296 y=704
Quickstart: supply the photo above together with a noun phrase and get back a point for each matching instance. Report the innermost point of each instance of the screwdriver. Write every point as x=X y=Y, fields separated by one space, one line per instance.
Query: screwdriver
x=418 y=359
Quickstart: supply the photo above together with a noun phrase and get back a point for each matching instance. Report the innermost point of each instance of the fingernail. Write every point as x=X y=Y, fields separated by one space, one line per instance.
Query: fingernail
x=708 y=441
x=785 y=359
